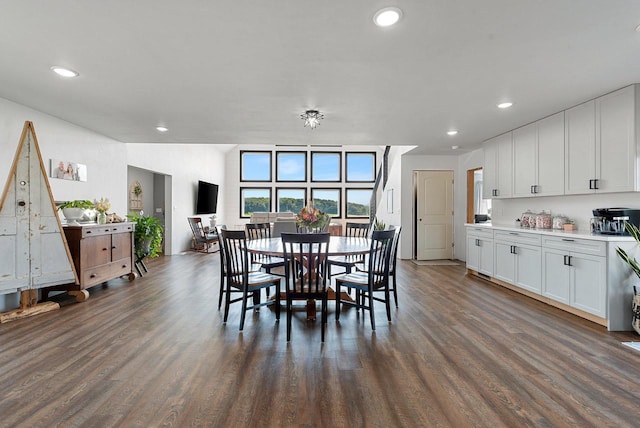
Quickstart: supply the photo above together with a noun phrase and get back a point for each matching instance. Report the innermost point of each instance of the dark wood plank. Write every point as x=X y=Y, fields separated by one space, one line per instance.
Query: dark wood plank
x=459 y=352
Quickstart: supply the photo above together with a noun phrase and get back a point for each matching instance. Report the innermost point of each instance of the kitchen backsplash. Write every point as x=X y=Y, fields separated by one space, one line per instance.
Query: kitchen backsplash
x=578 y=208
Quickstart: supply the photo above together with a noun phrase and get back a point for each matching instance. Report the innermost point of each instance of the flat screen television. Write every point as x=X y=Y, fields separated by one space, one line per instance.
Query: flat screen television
x=207 y=198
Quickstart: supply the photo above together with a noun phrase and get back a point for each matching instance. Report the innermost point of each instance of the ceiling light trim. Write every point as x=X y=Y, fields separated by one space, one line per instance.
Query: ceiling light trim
x=64 y=71
x=387 y=16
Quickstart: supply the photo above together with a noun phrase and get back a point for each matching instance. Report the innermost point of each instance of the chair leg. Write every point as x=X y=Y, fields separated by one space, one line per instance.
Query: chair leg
x=387 y=302
x=221 y=290
x=395 y=289
x=289 y=315
x=371 y=314
x=277 y=286
x=337 y=300
x=323 y=317
x=244 y=309
x=227 y=303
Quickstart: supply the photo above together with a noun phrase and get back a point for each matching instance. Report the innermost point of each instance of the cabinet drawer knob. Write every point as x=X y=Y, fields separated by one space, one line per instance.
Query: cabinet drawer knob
x=124 y=266
x=114 y=247
x=88 y=232
x=104 y=249
x=93 y=275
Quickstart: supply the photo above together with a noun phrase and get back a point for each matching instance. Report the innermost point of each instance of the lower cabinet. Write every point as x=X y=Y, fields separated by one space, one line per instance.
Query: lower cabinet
x=480 y=250
x=575 y=279
x=518 y=260
x=582 y=275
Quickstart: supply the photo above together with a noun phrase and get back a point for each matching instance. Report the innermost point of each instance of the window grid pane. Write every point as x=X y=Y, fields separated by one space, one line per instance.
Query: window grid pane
x=325 y=166
x=290 y=199
x=291 y=166
x=361 y=167
x=327 y=201
x=254 y=200
x=255 y=166
x=357 y=202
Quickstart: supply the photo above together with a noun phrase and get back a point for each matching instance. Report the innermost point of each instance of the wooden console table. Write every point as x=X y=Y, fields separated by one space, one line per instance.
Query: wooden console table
x=100 y=252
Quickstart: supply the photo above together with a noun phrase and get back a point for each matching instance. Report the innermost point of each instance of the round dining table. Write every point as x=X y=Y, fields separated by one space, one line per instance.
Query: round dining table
x=338 y=246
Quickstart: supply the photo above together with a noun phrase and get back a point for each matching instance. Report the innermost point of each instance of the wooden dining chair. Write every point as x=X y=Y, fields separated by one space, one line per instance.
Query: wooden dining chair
x=305 y=256
x=374 y=280
x=393 y=263
x=263 y=231
x=240 y=277
x=352 y=230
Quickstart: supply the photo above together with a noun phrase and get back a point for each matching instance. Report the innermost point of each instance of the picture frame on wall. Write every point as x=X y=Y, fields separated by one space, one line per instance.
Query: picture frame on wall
x=68 y=170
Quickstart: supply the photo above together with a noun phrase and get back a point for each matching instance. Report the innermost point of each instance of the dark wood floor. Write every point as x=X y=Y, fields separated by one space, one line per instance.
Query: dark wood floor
x=459 y=352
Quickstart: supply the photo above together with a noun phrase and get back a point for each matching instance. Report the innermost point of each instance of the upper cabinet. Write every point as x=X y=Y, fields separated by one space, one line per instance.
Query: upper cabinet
x=590 y=148
x=538 y=158
x=601 y=147
x=497 y=178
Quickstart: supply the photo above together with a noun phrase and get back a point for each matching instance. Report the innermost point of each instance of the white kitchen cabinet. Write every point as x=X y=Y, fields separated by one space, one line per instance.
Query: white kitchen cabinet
x=575 y=273
x=480 y=250
x=538 y=158
x=601 y=146
x=497 y=174
x=517 y=259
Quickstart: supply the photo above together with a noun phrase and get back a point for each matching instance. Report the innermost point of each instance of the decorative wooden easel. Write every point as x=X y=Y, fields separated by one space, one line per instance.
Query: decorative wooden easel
x=33 y=249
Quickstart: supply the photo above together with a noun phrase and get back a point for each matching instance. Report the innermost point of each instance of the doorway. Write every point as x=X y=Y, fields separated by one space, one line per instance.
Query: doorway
x=433 y=215
x=476 y=205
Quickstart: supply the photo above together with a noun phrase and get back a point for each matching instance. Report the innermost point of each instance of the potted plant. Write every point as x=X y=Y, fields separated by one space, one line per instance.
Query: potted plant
x=75 y=210
x=147 y=235
x=635 y=267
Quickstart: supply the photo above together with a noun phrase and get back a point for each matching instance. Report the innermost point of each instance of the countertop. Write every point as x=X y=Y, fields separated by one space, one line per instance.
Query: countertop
x=553 y=232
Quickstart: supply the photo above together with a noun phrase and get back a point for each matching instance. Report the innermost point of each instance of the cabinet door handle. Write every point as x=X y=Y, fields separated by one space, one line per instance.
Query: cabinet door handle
x=104 y=249
x=569 y=257
x=113 y=248
x=595 y=183
x=477 y=242
x=567 y=260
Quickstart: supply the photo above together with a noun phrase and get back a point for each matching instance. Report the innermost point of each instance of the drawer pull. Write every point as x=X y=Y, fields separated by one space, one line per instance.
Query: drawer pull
x=514 y=233
x=568 y=240
x=104 y=249
x=114 y=247
x=93 y=275
x=106 y=230
x=88 y=232
x=124 y=266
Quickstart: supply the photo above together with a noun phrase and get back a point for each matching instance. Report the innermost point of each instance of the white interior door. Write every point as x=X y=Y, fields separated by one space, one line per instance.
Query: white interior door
x=434 y=215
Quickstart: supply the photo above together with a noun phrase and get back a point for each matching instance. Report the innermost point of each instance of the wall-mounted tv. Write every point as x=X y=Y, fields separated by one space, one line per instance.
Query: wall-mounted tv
x=207 y=198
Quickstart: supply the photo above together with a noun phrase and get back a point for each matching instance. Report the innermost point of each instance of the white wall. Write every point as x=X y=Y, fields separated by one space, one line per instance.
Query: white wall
x=232 y=192
x=186 y=164
x=411 y=163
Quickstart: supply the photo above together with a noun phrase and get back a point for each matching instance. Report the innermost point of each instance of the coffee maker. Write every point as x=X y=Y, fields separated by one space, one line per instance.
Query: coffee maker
x=610 y=221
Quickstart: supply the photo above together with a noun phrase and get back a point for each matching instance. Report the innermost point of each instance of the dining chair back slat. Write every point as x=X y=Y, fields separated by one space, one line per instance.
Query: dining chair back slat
x=305 y=257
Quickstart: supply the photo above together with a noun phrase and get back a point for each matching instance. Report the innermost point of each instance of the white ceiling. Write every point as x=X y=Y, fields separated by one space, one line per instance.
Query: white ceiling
x=242 y=72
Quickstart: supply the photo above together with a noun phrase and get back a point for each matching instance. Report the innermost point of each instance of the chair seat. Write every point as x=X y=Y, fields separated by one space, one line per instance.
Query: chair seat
x=255 y=278
x=360 y=279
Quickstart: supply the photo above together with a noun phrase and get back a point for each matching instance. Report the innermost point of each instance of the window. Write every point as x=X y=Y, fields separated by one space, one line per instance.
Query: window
x=292 y=200
x=255 y=166
x=325 y=166
x=357 y=202
x=361 y=167
x=327 y=201
x=254 y=200
x=291 y=166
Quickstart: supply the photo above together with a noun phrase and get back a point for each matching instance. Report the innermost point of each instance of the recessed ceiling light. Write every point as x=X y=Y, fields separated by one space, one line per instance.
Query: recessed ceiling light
x=387 y=16
x=64 y=72
x=454 y=147
x=505 y=105
x=452 y=132
x=162 y=128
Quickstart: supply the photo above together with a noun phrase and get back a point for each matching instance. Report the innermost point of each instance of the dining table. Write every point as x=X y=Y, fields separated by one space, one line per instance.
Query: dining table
x=338 y=246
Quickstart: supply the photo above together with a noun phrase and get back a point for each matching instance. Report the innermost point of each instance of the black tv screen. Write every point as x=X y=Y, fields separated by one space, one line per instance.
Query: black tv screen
x=207 y=198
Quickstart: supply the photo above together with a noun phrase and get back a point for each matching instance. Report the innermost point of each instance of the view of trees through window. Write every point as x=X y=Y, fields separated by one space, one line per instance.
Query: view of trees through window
x=292 y=166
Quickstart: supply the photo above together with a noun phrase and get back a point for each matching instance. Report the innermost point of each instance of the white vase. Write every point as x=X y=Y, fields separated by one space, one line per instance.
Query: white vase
x=101 y=218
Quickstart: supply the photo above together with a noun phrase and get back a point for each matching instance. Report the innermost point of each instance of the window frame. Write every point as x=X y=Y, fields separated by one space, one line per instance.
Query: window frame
x=269 y=152
x=339 y=180
x=277 y=198
x=339 y=190
x=346 y=201
x=346 y=167
x=289 y=152
x=242 y=189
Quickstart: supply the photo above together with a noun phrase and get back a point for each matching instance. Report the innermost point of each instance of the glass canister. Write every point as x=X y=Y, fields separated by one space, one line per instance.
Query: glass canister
x=543 y=220
x=528 y=219
x=559 y=221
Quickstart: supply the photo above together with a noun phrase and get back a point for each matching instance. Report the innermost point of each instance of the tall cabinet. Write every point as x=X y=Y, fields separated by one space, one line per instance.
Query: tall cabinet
x=538 y=158
x=601 y=145
x=498 y=167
